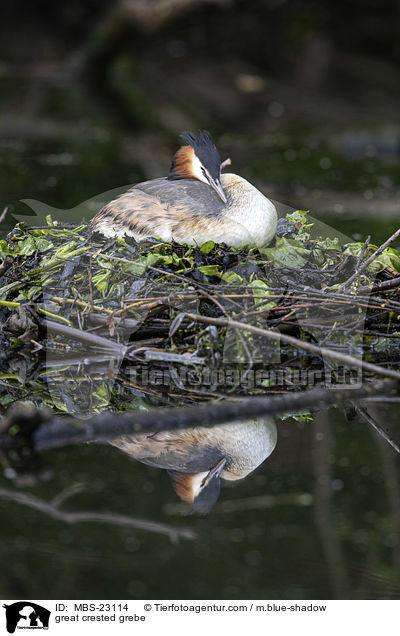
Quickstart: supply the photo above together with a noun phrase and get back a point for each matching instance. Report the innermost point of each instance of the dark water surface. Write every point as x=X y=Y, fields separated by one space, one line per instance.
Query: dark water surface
x=319 y=519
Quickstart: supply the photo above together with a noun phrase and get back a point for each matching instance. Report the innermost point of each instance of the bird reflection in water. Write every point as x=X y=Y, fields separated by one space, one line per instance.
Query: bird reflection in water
x=198 y=458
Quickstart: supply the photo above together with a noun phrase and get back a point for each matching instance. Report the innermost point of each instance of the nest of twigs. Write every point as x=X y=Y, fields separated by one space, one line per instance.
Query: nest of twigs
x=89 y=324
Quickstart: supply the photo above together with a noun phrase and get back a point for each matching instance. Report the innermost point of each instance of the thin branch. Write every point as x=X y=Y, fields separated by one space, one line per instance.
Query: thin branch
x=382 y=398
x=89 y=516
x=66 y=493
x=83 y=336
x=3 y=214
x=166 y=356
x=371 y=259
x=378 y=429
x=306 y=346
x=80 y=303
x=362 y=253
x=259 y=502
x=385 y=285
x=61 y=431
x=124 y=323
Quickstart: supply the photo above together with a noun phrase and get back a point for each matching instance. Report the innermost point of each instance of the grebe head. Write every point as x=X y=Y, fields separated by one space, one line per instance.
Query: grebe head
x=199 y=160
x=201 y=490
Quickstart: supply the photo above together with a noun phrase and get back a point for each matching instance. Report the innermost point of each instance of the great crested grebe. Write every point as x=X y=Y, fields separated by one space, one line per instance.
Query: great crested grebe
x=194 y=204
x=197 y=458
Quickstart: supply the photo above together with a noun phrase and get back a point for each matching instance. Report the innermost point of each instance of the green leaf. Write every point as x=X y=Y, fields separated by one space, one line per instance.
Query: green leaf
x=299 y=416
x=32 y=244
x=138 y=404
x=207 y=247
x=299 y=220
x=210 y=270
x=101 y=396
x=100 y=281
x=158 y=259
x=138 y=267
x=389 y=257
x=261 y=291
x=232 y=277
x=4 y=251
x=287 y=253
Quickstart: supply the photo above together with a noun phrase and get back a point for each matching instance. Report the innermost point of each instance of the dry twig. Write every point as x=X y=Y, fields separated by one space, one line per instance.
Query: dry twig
x=61 y=431
x=371 y=259
x=377 y=428
x=93 y=516
x=300 y=344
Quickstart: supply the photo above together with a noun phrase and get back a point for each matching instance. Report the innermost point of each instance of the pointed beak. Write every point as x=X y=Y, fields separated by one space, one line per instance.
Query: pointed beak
x=216 y=185
x=214 y=472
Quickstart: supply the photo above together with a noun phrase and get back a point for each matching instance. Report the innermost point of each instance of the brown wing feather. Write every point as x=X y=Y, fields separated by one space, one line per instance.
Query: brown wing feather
x=179 y=450
x=135 y=210
x=162 y=208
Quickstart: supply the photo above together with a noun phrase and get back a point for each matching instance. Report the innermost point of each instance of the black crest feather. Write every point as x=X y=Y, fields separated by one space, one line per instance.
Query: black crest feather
x=205 y=150
x=204 y=139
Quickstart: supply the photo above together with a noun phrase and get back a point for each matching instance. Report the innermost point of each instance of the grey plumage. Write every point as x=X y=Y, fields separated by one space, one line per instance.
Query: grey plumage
x=189 y=211
x=244 y=444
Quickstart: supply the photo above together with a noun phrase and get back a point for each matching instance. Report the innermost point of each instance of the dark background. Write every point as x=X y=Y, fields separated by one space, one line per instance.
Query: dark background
x=303 y=96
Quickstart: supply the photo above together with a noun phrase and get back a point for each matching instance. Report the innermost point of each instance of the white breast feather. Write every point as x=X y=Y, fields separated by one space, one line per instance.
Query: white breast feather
x=250 y=211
